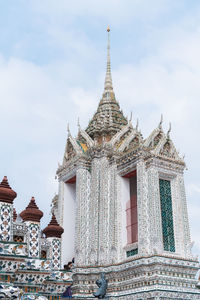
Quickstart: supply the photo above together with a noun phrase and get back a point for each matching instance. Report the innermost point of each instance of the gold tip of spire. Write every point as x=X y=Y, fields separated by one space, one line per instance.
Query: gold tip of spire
x=108 y=29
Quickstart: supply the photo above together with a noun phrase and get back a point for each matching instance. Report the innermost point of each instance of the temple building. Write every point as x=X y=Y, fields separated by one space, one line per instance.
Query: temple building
x=120 y=212
x=123 y=208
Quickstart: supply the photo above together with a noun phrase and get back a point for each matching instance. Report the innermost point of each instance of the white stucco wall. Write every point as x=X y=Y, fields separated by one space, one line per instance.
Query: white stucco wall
x=68 y=222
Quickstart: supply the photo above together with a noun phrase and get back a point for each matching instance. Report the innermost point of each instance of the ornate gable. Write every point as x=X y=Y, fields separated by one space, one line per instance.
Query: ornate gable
x=133 y=140
x=120 y=136
x=166 y=148
x=72 y=148
x=155 y=137
x=84 y=140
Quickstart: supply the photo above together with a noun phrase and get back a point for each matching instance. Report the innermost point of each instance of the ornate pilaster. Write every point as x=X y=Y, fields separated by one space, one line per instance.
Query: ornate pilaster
x=184 y=215
x=177 y=217
x=103 y=204
x=114 y=216
x=94 y=211
x=142 y=204
x=155 y=222
x=82 y=216
x=100 y=202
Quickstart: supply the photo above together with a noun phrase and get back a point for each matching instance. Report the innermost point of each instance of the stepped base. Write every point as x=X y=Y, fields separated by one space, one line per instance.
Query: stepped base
x=155 y=277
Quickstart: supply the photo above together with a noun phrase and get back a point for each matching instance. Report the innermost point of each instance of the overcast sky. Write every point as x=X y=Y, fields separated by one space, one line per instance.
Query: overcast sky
x=52 y=68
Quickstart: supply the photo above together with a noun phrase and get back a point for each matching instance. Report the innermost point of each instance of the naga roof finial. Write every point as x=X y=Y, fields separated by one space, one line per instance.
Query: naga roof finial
x=131 y=117
x=169 y=130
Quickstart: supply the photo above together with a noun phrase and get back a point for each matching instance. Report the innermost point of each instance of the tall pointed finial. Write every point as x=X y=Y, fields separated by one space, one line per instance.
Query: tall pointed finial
x=137 y=124
x=108 y=80
x=78 y=123
x=68 y=130
x=131 y=116
x=161 y=121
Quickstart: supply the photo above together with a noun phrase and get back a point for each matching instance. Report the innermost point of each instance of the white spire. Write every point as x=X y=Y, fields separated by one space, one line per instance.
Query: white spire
x=108 y=80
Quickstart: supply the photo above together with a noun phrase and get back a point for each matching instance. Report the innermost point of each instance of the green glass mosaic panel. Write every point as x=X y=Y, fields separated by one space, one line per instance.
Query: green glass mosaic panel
x=167 y=215
x=132 y=252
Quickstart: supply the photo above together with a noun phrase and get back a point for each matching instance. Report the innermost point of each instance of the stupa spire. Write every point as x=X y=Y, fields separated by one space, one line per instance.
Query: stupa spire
x=108 y=80
x=108 y=118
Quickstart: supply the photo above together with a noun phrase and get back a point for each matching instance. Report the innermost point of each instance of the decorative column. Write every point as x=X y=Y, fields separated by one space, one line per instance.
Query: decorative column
x=82 y=253
x=183 y=221
x=31 y=216
x=53 y=234
x=99 y=211
x=115 y=242
x=155 y=222
x=7 y=195
x=142 y=204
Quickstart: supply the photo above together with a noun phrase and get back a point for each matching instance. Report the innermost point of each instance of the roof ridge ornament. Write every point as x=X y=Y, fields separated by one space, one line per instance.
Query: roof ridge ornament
x=161 y=121
x=137 y=124
x=169 y=130
x=68 y=130
x=131 y=117
x=79 y=126
x=108 y=80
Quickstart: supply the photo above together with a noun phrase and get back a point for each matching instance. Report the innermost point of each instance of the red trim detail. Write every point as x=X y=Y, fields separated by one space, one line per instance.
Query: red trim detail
x=131 y=174
x=71 y=180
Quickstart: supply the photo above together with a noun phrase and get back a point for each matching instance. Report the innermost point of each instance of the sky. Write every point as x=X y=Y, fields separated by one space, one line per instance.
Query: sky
x=52 y=69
